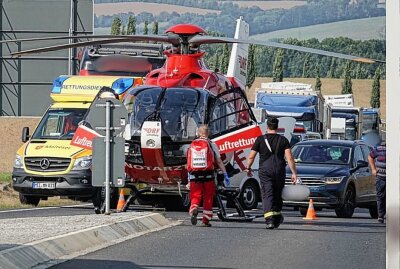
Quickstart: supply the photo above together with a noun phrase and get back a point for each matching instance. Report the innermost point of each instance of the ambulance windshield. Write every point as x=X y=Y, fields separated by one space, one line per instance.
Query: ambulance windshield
x=59 y=123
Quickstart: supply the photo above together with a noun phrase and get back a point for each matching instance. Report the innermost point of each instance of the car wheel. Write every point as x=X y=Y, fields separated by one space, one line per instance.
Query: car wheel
x=373 y=211
x=248 y=197
x=29 y=199
x=346 y=210
x=303 y=211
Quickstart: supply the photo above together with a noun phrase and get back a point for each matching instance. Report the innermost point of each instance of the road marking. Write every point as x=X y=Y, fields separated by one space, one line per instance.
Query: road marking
x=42 y=208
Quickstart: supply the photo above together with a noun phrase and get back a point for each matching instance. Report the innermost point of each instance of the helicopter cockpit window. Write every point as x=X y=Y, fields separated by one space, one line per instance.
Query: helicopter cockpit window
x=230 y=111
x=180 y=110
x=140 y=106
x=181 y=113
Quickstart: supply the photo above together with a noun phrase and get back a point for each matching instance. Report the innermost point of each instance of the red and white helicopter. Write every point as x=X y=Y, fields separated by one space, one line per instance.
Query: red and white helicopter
x=175 y=99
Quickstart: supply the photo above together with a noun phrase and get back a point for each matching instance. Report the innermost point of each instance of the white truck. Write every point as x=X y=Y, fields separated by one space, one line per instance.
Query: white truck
x=347 y=120
x=297 y=100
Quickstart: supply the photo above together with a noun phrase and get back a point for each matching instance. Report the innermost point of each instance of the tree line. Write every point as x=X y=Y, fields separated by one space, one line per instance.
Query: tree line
x=300 y=64
x=261 y=21
x=119 y=28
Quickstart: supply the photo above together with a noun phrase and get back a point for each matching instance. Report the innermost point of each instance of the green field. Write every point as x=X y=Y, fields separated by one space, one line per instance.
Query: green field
x=360 y=29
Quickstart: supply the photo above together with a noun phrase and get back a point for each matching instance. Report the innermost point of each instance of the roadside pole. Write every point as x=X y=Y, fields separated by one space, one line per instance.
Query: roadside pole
x=108 y=116
x=108 y=138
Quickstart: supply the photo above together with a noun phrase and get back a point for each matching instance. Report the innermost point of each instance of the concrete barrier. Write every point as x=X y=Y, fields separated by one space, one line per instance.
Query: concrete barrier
x=47 y=252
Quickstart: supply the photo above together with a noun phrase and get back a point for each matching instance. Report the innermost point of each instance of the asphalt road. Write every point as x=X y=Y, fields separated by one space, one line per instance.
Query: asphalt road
x=326 y=243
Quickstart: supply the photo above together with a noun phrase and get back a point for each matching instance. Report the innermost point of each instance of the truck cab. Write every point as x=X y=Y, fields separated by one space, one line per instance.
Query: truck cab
x=47 y=164
x=347 y=120
x=297 y=100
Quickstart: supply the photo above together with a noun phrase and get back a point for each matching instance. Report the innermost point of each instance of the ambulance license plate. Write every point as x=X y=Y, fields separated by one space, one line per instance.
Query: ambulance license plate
x=43 y=185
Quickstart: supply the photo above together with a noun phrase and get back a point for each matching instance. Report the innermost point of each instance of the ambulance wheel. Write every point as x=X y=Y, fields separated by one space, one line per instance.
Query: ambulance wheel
x=29 y=199
x=248 y=196
x=99 y=198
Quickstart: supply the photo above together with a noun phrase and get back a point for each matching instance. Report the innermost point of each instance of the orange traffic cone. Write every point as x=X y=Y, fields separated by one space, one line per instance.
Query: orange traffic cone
x=311 y=212
x=121 y=201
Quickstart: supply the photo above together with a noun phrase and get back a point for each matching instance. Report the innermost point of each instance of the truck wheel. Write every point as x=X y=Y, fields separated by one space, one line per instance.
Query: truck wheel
x=29 y=199
x=248 y=196
x=303 y=211
x=373 y=211
x=346 y=210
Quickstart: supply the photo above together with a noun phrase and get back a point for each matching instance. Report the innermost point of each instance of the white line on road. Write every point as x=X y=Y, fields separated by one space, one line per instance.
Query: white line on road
x=42 y=208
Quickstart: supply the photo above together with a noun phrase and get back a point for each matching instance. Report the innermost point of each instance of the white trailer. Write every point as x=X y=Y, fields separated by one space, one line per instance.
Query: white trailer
x=341 y=100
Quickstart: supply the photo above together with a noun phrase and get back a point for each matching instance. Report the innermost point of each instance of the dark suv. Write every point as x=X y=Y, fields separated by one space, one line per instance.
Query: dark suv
x=337 y=173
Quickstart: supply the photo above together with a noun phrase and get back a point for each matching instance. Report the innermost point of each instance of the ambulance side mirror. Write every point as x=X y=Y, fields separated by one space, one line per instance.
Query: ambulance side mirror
x=25 y=134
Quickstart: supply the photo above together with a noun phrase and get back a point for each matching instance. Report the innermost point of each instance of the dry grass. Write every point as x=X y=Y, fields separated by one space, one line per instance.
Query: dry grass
x=10 y=138
x=153 y=8
x=9 y=200
x=265 y=5
x=361 y=89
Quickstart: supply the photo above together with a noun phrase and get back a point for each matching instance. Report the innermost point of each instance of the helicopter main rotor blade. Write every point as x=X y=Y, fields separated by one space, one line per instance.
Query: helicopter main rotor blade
x=171 y=38
x=198 y=40
x=56 y=38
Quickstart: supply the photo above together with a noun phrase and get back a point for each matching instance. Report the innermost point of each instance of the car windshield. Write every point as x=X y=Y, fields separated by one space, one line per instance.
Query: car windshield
x=59 y=123
x=180 y=110
x=322 y=154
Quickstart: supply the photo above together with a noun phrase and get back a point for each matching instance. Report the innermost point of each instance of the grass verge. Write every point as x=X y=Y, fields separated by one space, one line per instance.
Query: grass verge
x=9 y=199
x=5 y=177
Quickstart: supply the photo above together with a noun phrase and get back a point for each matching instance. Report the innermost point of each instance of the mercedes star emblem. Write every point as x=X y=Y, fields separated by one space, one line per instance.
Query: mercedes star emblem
x=44 y=163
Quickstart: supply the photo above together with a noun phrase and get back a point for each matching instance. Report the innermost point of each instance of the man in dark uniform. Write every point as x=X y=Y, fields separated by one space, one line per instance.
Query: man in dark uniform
x=273 y=148
x=377 y=161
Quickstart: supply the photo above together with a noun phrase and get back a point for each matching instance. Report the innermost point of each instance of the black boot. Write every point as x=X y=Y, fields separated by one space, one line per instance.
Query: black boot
x=270 y=223
x=278 y=220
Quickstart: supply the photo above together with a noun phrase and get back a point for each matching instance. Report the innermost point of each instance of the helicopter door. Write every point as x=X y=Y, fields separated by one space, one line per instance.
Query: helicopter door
x=232 y=123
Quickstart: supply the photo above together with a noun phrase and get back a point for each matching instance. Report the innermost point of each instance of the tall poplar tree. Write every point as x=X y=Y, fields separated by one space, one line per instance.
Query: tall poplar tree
x=131 y=29
x=347 y=84
x=277 y=69
x=116 y=26
x=376 y=90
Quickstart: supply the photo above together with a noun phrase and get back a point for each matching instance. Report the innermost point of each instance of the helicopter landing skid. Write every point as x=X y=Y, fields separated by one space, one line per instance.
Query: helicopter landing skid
x=231 y=194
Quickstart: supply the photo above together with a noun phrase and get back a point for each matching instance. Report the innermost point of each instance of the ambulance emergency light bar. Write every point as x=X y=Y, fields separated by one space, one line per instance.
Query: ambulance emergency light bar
x=120 y=85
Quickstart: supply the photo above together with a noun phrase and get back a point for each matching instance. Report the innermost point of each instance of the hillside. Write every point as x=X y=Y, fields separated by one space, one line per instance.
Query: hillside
x=108 y=9
x=263 y=16
x=266 y=5
x=360 y=29
x=361 y=89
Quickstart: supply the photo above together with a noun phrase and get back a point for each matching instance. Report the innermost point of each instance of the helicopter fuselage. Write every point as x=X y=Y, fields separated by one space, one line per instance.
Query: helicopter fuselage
x=165 y=113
